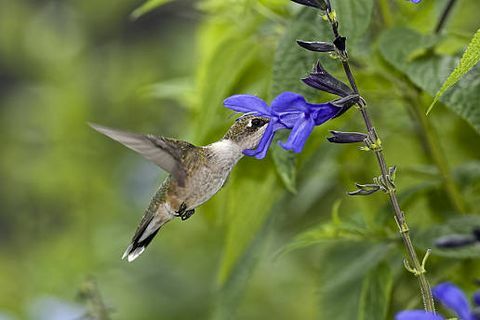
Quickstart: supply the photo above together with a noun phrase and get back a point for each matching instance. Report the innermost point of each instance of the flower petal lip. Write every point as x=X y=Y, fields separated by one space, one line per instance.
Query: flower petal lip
x=316 y=46
x=289 y=101
x=261 y=151
x=247 y=103
x=299 y=135
x=417 y=315
x=453 y=298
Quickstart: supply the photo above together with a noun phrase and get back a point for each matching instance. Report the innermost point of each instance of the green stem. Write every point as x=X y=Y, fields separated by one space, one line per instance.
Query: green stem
x=412 y=262
x=433 y=146
x=386 y=12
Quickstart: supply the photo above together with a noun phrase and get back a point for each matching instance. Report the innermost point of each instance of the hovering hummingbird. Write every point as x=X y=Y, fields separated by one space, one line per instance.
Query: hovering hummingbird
x=195 y=173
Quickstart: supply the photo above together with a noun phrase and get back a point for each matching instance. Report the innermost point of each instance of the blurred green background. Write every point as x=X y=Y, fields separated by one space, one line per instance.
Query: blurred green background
x=71 y=199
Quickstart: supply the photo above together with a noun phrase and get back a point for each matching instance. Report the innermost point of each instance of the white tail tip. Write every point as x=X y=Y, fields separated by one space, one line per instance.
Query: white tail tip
x=132 y=255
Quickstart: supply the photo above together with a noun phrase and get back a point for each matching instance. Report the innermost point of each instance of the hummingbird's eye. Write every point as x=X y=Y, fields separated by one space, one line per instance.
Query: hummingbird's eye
x=257 y=123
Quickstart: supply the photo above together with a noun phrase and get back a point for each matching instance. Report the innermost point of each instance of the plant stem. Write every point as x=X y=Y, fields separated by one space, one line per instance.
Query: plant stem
x=437 y=156
x=444 y=16
x=413 y=264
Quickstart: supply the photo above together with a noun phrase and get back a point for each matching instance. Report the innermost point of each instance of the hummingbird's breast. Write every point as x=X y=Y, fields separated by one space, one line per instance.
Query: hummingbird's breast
x=209 y=174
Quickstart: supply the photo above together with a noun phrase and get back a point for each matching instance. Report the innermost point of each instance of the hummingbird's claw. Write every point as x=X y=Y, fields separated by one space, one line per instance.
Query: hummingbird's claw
x=187 y=214
x=183 y=213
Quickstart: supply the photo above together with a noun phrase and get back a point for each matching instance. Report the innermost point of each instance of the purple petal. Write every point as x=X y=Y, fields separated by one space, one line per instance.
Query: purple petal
x=289 y=101
x=324 y=112
x=453 y=298
x=476 y=298
x=261 y=151
x=247 y=103
x=417 y=315
x=299 y=135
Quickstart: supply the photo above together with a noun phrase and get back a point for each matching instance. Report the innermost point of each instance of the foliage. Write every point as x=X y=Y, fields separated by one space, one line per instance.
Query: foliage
x=71 y=199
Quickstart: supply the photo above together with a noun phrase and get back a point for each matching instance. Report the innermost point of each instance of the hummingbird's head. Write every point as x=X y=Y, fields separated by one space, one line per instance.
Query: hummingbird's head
x=247 y=131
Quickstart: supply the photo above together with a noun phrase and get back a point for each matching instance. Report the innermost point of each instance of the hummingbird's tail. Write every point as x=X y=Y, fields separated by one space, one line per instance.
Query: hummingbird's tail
x=146 y=231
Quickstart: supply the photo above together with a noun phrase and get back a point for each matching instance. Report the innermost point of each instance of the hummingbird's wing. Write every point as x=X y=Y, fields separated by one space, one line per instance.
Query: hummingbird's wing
x=168 y=154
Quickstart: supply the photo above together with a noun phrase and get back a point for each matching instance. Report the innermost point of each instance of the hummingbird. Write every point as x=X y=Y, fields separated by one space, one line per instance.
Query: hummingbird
x=195 y=173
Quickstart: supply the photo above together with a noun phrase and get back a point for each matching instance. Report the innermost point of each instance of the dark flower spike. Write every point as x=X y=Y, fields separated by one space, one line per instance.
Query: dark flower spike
x=320 y=79
x=454 y=241
x=319 y=4
x=346 y=137
x=316 y=46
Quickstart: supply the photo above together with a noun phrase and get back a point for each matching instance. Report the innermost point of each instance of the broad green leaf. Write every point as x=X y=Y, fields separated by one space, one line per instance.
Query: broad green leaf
x=470 y=58
x=426 y=238
x=222 y=67
x=249 y=205
x=344 y=266
x=147 y=7
x=376 y=293
x=400 y=47
x=334 y=230
x=285 y=162
x=354 y=17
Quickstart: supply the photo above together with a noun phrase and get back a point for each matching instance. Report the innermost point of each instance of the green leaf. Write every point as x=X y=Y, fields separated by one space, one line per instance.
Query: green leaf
x=469 y=59
x=400 y=47
x=285 y=162
x=328 y=231
x=354 y=17
x=426 y=238
x=147 y=7
x=249 y=205
x=344 y=266
x=376 y=293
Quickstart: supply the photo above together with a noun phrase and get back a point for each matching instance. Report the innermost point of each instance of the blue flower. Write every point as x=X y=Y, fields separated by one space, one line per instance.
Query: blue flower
x=415 y=1
x=452 y=298
x=288 y=111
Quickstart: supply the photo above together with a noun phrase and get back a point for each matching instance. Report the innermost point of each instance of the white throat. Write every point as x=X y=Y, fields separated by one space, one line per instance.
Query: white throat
x=226 y=150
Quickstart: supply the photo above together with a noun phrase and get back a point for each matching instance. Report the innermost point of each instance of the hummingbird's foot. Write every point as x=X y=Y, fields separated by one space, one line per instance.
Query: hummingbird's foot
x=181 y=210
x=187 y=214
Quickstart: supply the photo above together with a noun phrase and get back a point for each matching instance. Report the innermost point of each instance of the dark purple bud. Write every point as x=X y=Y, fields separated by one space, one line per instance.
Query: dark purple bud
x=364 y=189
x=454 y=241
x=316 y=46
x=476 y=233
x=340 y=43
x=346 y=137
x=320 y=79
x=476 y=298
x=320 y=4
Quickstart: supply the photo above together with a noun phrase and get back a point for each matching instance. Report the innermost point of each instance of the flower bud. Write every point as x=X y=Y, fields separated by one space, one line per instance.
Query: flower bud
x=346 y=137
x=454 y=241
x=316 y=46
x=319 y=4
x=320 y=79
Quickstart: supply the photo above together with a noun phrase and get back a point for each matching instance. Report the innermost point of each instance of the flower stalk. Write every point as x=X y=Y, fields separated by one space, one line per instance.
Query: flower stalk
x=412 y=262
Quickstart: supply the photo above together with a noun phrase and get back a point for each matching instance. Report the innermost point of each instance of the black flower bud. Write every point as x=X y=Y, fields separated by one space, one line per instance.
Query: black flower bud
x=316 y=46
x=320 y=79
x=346 y=137
x=319 y=4
x=340 y=43
x=455 y=241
